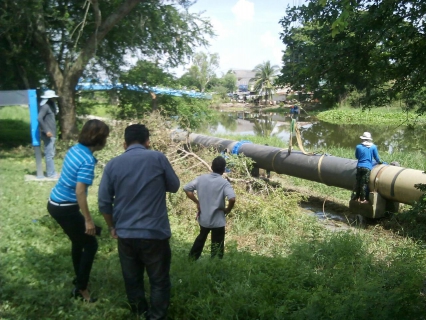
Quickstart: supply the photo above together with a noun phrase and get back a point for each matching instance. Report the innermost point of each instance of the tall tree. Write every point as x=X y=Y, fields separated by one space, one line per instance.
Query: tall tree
x=203 y=69
x=229 y=81
x=74 y=37
x=334 y=47
x=144 y=73
x=263 y=81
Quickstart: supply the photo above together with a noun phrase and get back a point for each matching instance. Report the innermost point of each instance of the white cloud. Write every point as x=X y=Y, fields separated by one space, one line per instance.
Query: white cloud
x=219 y=28
x=273 y=45
x=268 y=40
x=243 y=10
x=278 y=55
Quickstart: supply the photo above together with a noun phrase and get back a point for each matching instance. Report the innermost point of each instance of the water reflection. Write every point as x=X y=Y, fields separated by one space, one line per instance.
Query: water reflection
x=317 y=134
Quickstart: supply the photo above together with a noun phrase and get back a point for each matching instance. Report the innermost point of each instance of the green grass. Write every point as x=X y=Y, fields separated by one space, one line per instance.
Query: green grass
x=20 y=113
x=278 y=264
x=14 y=126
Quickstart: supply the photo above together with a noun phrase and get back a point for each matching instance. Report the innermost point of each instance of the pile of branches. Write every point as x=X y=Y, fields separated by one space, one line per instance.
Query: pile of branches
x=187 y=160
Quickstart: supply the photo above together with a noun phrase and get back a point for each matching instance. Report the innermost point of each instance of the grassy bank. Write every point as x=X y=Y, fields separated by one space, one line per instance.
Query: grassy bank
x=279 y=263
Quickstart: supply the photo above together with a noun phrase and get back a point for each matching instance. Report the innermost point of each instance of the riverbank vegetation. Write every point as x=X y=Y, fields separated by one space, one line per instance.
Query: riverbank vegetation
x=384 y=40
x=279 y=263
x=380 y=116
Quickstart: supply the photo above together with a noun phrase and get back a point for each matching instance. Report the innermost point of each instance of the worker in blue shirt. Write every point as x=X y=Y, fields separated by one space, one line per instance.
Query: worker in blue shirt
x=68 y=203
x=365 y=152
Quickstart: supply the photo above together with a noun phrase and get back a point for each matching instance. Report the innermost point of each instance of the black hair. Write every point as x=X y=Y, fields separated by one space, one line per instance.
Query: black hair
x=136 y=133
x=94 y=133
x=218 y=165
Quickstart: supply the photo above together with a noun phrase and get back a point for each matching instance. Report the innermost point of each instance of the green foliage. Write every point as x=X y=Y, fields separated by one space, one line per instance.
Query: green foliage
x=335 y=47
x=188 y=82
x=359 y=116
x=189 y=112
x=147 y=73
x=220 y=93
x=153 y=27
x=73 y=39
x=422 y=202
x=229 y=81
x=203 y=68
x=96 y=103
x=412 y=221
x=133 y=104
x=220 y=87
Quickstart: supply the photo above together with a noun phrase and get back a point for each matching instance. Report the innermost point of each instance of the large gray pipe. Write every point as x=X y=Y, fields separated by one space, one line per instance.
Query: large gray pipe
x=392 y=183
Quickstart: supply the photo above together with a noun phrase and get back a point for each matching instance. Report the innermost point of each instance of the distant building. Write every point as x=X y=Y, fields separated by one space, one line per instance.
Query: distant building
x=245 y=88
x=243 y=79
x=280 y=94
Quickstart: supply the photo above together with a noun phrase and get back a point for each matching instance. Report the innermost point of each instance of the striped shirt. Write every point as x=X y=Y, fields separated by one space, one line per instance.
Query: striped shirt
x=78 y=166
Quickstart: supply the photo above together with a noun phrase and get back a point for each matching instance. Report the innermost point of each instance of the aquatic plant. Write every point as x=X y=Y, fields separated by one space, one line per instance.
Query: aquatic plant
x=359 y=116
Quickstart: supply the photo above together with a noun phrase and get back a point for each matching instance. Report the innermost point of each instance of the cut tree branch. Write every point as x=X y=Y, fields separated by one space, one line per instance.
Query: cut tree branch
x=197 y=157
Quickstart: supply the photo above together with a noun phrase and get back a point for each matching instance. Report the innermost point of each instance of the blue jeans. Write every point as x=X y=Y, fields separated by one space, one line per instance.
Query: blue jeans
x=49 y=153
x=136 y=255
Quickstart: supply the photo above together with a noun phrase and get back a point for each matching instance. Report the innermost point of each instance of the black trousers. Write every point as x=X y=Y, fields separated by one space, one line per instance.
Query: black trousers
x=218 y=242
x=136 y=255
x=83 y=246
x=362 y=181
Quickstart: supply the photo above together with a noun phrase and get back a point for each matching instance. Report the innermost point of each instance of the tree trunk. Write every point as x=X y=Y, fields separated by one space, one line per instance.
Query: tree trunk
x=67 y=112
x=65 y=79
x=154 y=103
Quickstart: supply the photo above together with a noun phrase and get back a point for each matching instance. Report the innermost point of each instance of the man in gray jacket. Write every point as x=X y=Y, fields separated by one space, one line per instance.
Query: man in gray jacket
x=132 y=199
x=212 y=189
x=47 y=122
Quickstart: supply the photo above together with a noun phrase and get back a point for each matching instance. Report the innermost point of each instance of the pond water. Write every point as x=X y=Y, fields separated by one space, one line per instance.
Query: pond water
x=317 y=134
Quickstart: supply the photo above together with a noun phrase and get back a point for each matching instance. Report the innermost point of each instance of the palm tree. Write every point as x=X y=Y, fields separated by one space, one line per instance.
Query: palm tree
x=264 y=79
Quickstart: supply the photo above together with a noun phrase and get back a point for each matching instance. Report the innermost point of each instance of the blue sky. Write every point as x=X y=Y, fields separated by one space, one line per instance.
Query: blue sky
x=247 y=31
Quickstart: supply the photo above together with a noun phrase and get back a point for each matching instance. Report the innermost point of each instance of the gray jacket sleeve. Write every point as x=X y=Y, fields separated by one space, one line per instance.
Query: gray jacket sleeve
x=106 y=194
x=41 y=114
x=229 y=191
x=172 y=180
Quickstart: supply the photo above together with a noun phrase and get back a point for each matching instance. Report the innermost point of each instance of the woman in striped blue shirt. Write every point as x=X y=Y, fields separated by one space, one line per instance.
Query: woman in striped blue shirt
x=68 y=202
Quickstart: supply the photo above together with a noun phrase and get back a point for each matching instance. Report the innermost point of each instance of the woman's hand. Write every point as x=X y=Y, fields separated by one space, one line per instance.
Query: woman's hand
x=90 y=227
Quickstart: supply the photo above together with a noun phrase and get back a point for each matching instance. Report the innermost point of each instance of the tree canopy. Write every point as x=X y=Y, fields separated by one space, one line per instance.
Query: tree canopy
x=62 y=41
x=334 y=47
x=203 y=69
